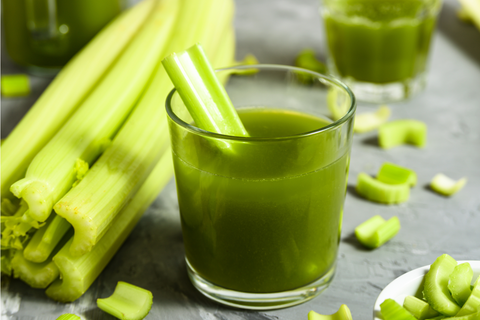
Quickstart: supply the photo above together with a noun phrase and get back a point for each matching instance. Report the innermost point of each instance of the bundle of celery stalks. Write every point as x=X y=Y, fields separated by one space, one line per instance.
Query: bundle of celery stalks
x=93 y=152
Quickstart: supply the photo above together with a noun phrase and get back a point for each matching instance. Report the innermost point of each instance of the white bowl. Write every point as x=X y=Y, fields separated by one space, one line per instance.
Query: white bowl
x=410 y=284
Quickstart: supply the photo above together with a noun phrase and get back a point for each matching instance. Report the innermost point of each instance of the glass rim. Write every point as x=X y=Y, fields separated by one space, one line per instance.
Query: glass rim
x=335 y=124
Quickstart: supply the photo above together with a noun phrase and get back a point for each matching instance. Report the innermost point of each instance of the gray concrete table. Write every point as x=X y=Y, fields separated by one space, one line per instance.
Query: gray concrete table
x=152 y=257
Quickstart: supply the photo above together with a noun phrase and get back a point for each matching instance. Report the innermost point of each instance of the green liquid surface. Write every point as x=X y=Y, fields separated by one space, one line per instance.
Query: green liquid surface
x=379 y=41
x=43 y=35
x=262 y=234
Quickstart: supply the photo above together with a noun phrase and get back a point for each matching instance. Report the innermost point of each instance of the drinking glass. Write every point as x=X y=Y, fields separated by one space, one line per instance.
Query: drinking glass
x=261 y=215
x=380 y=48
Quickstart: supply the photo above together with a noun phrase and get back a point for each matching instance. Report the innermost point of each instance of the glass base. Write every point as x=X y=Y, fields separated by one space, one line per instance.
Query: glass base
x=260 y=301
x=389 y=92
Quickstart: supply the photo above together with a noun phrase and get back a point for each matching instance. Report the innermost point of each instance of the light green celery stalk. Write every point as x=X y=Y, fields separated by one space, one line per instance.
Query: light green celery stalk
x=46 y=239
x=127 y=302
x=62 y=97
x=86 y=134
x=472 y=9
x=202 y=92
x=78 y=273
x=36 y=275
x=343 y=313
x=121 y=169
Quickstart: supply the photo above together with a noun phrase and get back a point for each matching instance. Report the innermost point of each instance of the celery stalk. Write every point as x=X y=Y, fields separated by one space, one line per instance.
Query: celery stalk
x=66 y=92
x=51 y=173
x=472 y=8
x=393 y=174
x=78 y=273
x=419 y=308
x=36 y=275
x=376 y=231
x=472 y=304
x=343 y=313
x=119 y=172
x=369 y=121
x=68 y=316
x=445 y=185
x=398 y=132
x=202 y=92
x=391 y=310
x=15 y=85
x=435 y=289
x=127 y=302
x=459 y=283
x=46 y=239
x=378 y=191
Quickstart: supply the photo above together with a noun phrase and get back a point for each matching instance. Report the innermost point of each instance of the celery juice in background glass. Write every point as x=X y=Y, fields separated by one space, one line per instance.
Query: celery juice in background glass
x=261 y=215
x=42 y=35
x=380 y=48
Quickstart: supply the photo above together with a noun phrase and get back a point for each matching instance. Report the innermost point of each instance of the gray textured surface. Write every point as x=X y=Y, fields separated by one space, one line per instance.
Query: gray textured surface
x=275 y=31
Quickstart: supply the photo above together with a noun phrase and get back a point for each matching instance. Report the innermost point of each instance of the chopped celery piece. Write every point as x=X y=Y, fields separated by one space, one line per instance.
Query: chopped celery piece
x=336 y=103
x=459 y=283
x=435 y=289
x=15 y=85
x=398 y=132
x=68 y=316
x=128 y=302
x=46 y=239
x=36 y=275
x=471 y=316
x=445 y=185
x=391 y=310
x=472 y=7
x=376 y=231
x=202 y=93
x=70 y=87
x=78 y=273
x=369 y=121
x=343 y=313
x=378 y=191
x=393 y=174
x=306 y=59
x=472 y=304
x=137 y=147
x=419 y=308
x=52 y=172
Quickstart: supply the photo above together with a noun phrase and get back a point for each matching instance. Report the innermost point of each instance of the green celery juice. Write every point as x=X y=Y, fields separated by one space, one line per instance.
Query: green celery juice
x=263 y=228
x=379 y=41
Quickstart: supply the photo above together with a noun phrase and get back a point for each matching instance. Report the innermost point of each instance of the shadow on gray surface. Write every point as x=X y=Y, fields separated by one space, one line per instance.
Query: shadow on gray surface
x=351 y=239
x=464 y=35
x=371 y=141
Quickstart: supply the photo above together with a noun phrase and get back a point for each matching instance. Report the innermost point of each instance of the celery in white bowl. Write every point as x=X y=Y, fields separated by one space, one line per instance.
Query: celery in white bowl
x=411 y=284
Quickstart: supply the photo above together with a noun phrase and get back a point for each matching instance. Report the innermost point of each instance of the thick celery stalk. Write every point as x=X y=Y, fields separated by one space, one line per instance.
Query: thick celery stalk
x=52 y=172
x=36 y=275
x=46 y=239
x=202 y=92
x=66 y=92
x=121 y=169
x=127 y=302
x=78 y=273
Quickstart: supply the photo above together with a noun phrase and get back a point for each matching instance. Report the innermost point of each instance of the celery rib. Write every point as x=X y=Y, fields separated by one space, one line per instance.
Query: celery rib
x=36 y=275
x=459 y=283
x=378 y=191
x=376 y=231
x=391 y=310
x=419 y=308
x=78 y=273
x=343 y=313
x=472 y=304
x=398 y=132
x=62 y=97
x=202 y=92
x=128 y=302
x=52 y=172
x=445 y=185
x=365 y=122
x=118 y=173
x=435 y=288
x=393 y=174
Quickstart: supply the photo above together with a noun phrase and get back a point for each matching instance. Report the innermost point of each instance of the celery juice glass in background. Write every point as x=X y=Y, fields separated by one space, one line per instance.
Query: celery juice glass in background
x=380 y=47
x=42 y=35
x=261 y=215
